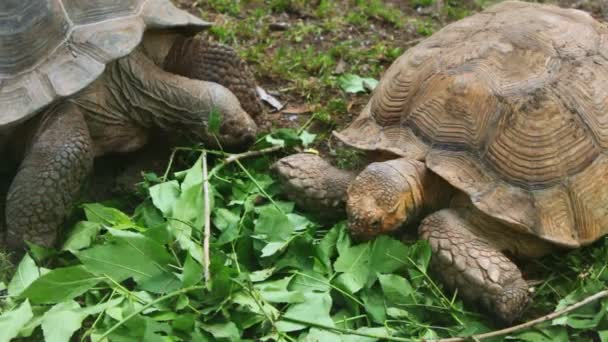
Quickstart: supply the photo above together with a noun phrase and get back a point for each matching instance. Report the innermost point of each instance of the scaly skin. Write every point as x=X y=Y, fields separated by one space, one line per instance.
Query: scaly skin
x=468 y=260
x=49 y=178
x=196 y=58
x=313 y=183
x=114 y=114
x=388 y=195
x=467 y=245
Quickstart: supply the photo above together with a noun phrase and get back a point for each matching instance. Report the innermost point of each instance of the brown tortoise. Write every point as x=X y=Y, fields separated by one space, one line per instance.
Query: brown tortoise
x=494 y=132
x=80 y=79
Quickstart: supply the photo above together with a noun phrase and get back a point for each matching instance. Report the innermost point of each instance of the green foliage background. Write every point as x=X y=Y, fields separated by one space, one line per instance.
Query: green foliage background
x=276 y=273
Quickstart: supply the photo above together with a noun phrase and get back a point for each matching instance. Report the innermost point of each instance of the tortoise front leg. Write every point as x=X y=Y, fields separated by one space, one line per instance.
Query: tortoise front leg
x=313 y=183
x=49 y=178
x=466 y=258
x=196 y=58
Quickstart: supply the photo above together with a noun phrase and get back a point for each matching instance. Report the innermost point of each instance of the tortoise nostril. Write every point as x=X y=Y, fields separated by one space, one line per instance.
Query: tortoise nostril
x=248 y=137
x=376 y=224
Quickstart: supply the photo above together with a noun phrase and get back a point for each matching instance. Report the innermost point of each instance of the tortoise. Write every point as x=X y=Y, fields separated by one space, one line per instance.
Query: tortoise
x=492 y=136
x=80 y=79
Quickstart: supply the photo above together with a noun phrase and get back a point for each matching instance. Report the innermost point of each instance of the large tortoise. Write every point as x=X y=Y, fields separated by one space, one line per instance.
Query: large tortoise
x=79 y=79
x=494 y=133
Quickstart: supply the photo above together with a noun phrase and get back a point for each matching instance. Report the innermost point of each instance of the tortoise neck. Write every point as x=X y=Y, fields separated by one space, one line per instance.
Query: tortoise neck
x=157 y=44
x=425 y=192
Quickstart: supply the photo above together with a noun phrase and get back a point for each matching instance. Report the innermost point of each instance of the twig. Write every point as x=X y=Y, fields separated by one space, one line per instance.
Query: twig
x=234 y=157
x=345 y=331
x=528 y=324
x=207 y=230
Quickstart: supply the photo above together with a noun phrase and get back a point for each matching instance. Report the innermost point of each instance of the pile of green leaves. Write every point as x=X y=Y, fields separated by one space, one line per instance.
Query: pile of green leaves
x=276 y=273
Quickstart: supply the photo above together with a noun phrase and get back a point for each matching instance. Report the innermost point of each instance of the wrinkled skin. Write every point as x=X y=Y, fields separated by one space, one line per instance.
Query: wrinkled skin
x=468 y=247
x=170 y=83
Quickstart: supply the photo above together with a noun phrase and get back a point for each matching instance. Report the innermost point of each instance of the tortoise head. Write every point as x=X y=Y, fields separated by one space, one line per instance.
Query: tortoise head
x=237 y=129
x=380 y=200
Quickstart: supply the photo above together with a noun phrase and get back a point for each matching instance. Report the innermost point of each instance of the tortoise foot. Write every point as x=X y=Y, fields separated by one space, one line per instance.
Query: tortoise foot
x=313 y=183
x=196 y=58
x=467 y=261
x=49 y=179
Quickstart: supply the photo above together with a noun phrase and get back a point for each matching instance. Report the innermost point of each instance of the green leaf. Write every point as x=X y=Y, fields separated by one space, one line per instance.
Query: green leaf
x=215 y=121
x=374 y=305
x=549 y=334
x=248 y=305
x=274 y=141
x=129 y=254
x=397 y=290
x=193 y=272
x=377 y=331
x=315 y=309
x=27 y=273
x=188 y=213
x=356 y=84
x=261 y=275
x=12 y=321
x=228 y=223
x=307 y=138
x=272 y=225
x=318 y=335
x=99 y=213
x=603 y=335
x=81 y=236
x=421 y=254
x=276 y=291
x=164 y=196
x=273 y=247
x=227 y=330
x=387 y=255
x=61 y=321
x=326 y=249
x=60 y=284
x=354 y=262
x=288 y=135
x=310 y=280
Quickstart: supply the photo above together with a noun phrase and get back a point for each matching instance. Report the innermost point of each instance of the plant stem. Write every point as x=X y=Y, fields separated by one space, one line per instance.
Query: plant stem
x=548 y=317
x=234 y=157
x=345 y=331
x=207 y=216
x=259 y=186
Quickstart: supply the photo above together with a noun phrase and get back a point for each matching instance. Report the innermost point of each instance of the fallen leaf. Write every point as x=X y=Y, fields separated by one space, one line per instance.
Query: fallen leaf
x=271 y=100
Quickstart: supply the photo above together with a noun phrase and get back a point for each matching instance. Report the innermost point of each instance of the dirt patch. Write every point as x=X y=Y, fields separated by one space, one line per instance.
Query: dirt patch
x=299 y=49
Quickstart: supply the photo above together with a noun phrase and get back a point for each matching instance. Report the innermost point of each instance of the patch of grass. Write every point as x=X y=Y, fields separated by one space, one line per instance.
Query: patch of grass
x=6 y=268
x=425 y=27
x=231 y=7
x=350 y=158
x=375 y=9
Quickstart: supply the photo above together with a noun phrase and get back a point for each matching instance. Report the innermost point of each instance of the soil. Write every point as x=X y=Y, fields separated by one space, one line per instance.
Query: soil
x=376 y=29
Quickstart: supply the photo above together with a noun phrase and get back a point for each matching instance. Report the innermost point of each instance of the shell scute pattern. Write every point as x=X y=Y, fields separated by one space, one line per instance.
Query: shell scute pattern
x=54 y=48
x=516 y=116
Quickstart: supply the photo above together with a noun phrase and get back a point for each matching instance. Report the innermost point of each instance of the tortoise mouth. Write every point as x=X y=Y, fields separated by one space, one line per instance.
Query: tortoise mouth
x=365 y=225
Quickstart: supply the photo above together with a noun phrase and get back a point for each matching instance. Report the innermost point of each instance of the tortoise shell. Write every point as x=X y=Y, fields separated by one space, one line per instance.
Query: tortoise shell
x=53 y=48
x=510 y=106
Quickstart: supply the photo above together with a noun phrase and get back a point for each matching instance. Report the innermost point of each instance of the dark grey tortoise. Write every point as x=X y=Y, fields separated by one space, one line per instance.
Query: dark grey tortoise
x=80 y=79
